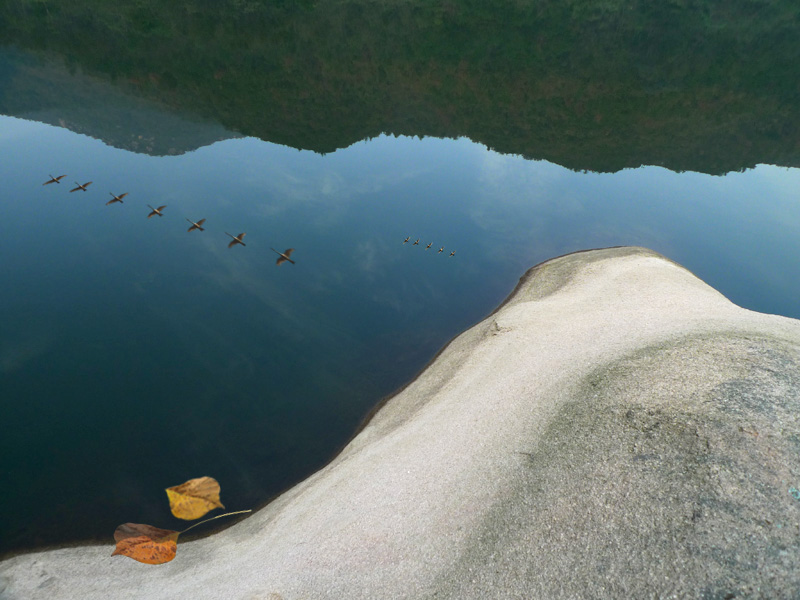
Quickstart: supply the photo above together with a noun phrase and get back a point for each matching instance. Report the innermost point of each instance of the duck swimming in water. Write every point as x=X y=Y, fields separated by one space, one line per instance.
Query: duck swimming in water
x=283 y=256
x=156 y=211
x=80 y=187
x=116 y=198
x=54 y=179
x=237 y=239
x=198 y=225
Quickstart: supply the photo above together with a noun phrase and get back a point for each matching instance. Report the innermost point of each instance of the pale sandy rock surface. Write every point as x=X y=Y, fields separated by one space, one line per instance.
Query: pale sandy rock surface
x=617 y=429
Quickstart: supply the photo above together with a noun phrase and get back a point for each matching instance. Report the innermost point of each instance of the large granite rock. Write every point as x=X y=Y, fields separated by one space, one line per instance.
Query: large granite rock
x=617 y=429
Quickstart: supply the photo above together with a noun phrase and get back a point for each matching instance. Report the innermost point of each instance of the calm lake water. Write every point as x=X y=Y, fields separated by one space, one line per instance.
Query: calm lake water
x=135 y=355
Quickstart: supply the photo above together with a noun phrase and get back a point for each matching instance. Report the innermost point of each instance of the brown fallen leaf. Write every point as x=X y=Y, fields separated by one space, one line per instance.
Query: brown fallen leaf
x=146 y=543
x=193 y=499
x=152 y=545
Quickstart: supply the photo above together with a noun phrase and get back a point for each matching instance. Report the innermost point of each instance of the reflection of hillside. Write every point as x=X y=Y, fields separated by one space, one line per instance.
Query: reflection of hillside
x=47 y=92
x=707 y=85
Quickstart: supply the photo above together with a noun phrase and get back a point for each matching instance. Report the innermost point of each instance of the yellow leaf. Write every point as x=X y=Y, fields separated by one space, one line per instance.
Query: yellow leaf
x=146 y=543
x=193 y=499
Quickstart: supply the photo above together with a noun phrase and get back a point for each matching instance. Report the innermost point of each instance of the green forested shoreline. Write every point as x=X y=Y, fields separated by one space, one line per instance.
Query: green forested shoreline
x=699 y=85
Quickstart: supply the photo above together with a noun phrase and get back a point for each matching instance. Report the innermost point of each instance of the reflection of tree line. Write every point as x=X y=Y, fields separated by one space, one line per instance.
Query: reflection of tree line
x=698 y=84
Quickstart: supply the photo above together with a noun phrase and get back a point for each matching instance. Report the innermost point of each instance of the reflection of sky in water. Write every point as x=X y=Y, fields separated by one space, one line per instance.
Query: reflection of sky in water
x=138 y=355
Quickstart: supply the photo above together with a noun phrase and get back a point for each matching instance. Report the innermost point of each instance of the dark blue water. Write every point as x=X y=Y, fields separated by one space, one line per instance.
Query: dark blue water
x=135 y=355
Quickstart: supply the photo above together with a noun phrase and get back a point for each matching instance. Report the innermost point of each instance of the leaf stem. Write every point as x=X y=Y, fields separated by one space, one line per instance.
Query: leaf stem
x=238 y=512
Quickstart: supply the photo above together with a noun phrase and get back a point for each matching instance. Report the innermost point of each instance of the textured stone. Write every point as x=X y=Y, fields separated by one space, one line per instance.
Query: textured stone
x=617 y=429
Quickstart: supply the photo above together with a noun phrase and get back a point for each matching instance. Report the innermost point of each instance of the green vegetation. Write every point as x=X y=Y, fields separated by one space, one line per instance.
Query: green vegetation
x=707 y=85
x=47 y=92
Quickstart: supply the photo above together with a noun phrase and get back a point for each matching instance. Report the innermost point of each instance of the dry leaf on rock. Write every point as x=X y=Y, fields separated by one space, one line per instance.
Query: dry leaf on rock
x=193 y=499
x=152 y=545
x=146 y=543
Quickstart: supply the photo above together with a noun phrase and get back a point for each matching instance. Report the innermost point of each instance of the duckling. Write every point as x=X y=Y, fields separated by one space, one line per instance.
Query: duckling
x=116 y=198
x=236 y=239
x=405 y=241
x=441 y=250
x=453 y=253
x=283 y=256
x=416 y=243
x=80 y=187
x=428 y=247
x=156 y=211
x=198 y=225
x=54 y=179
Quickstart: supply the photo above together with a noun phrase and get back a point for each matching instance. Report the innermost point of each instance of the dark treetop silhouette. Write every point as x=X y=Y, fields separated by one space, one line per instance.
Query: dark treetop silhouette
x=705 y=85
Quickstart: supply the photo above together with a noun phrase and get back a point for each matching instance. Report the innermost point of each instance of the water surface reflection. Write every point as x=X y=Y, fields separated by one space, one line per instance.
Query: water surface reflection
x=136 y=355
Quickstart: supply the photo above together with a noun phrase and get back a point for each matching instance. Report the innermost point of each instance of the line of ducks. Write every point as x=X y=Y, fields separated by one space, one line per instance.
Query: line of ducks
x=235 y=239
x=405 y=241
